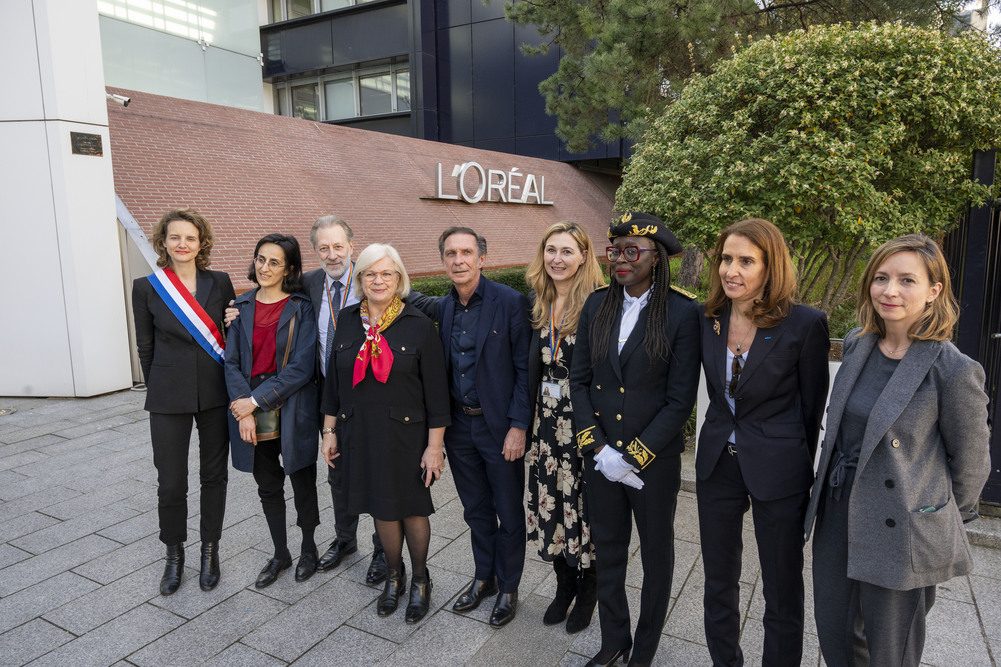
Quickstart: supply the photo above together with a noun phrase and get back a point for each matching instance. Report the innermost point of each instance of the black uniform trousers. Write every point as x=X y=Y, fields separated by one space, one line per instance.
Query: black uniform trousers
x=613 y=506
x=491 y=490
x=723 y=499
x=171 y=435
x=270 y=478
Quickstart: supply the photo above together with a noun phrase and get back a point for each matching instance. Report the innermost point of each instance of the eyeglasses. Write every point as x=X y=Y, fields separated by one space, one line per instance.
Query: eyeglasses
x=260 y=260
x=738 y=363
x=370 y=276
x=631 y=252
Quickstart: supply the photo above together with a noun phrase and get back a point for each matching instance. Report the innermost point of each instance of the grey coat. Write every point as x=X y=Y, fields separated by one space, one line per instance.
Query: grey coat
x=926 y=445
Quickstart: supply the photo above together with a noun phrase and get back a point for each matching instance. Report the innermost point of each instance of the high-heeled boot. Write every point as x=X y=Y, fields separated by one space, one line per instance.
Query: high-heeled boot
x=389 y=600
x=587 y=597
x=209 y=576
x=420 y=598
x=566 y=590
x=172 y=569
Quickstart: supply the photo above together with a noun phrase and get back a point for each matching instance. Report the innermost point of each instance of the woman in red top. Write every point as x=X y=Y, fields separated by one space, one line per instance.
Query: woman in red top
x=270 y=361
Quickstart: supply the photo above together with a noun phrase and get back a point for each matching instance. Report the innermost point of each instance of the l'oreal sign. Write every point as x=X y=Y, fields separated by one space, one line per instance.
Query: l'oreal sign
x=494 y=185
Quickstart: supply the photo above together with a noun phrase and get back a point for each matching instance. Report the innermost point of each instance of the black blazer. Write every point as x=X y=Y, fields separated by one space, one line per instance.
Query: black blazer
x=180 y=376
x=637 y=405
x=779 y=403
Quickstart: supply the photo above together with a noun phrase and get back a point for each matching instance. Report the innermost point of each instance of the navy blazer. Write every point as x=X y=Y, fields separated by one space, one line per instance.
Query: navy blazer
x=502 y=343
x=780 y=402
x=293 y=389
x=180 y=376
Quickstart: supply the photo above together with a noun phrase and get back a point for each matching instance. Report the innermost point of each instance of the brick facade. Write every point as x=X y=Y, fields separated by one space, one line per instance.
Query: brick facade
x=253 y=173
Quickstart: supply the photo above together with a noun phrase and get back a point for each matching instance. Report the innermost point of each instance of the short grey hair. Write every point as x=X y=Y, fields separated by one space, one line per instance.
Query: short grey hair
x=325 y=221
x=372 y=254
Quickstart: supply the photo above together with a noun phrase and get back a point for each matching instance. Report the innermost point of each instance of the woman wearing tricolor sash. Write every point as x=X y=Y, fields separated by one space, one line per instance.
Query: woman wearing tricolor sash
x=178 y=314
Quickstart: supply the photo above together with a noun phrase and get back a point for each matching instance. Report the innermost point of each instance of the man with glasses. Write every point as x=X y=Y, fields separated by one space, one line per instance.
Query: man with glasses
x=331 y=288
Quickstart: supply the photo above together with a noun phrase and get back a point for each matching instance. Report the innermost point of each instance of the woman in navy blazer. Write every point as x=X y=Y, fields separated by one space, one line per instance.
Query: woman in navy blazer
x=765 y=362
x=270 y=363
x=184 y=384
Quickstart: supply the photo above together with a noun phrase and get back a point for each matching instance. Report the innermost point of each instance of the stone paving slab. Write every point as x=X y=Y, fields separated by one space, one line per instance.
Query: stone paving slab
x=80 y=562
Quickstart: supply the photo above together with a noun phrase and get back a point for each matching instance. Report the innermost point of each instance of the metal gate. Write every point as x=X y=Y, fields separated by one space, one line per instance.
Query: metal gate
x=974 y=254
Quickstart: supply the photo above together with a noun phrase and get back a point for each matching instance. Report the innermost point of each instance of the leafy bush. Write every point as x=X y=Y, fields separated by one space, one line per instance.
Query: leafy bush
x=439 y=285
x=843 y=136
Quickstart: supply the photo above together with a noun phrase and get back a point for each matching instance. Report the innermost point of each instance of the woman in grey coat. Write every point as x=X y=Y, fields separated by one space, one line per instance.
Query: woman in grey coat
x=903 y=463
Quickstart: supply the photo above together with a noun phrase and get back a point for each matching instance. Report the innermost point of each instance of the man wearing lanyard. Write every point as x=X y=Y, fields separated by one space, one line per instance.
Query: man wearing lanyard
x=331 y=288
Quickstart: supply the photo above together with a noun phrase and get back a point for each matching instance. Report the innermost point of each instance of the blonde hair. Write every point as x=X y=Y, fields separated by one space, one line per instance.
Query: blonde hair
x=205 y=236
x=372 y=254
x=939 y=317
x=779 y=290
x=586 y=280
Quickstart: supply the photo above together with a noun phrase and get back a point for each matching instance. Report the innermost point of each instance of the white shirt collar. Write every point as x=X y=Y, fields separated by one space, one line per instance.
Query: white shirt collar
x=643 y=298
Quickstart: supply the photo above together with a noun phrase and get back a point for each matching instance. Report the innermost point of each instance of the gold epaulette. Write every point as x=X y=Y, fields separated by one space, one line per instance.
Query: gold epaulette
x=683 y=292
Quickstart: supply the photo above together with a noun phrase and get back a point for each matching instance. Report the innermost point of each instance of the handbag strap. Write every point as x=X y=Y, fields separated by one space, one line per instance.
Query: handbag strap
x=288 y=343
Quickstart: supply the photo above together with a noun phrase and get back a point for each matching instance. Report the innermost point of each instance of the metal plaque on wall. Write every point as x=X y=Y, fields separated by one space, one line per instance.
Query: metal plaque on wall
x=86 y=144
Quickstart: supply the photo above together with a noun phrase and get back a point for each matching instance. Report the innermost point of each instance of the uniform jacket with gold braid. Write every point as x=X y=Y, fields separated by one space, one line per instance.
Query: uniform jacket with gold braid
x=628 y=401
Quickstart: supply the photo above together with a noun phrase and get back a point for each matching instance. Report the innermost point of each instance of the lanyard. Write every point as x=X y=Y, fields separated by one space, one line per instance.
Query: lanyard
x=344 y=298
x=555 y=337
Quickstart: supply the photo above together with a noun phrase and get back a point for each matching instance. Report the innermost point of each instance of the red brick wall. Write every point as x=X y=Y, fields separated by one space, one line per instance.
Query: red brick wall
x=253 y=173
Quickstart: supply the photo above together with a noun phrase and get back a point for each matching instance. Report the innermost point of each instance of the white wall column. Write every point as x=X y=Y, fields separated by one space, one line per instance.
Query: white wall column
x=64 y=327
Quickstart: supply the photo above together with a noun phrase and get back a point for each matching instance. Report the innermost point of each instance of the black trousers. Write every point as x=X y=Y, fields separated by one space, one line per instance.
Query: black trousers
x=859 y=623
x=613 y=507
x=723 y=499
x=171 y=435
x=491 y=490
x=345 y=523
x=270 y=478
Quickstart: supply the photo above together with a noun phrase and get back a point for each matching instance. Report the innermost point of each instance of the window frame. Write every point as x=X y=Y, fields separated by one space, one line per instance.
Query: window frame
x=283 y=90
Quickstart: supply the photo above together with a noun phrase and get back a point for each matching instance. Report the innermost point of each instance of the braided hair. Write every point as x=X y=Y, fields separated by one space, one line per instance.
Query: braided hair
x=654 y=337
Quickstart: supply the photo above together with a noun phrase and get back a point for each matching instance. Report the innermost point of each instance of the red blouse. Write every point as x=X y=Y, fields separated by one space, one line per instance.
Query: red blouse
x=266 y=316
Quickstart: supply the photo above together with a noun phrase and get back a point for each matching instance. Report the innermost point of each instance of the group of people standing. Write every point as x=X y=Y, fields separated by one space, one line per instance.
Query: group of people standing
x=595 y=385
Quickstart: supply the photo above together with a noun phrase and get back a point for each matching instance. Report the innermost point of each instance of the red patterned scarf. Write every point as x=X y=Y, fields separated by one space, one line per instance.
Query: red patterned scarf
x=375 y=349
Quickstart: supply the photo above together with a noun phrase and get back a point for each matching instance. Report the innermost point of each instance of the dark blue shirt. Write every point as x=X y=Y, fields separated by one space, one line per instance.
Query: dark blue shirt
x=462 y=350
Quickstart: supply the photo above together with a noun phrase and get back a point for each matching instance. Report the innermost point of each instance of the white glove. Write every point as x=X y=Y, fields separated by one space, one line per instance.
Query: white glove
x=633 y=480
x=610 y=463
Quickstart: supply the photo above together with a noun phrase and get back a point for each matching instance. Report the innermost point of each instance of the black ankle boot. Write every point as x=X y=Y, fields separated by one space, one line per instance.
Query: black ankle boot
x=209 y=576
x=566 y=590
x=420 y=598
x=389 y=600
x=587 y=597
x=172 y=569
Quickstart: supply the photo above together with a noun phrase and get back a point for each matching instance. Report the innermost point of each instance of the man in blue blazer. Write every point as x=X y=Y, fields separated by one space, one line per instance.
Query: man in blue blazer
x=485 y=330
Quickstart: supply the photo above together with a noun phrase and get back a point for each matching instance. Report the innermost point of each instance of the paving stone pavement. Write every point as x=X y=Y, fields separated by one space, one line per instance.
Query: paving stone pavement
x=80 y=564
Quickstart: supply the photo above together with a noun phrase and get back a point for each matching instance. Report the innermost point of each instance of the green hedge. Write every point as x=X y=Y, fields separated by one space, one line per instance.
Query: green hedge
x=513 y=277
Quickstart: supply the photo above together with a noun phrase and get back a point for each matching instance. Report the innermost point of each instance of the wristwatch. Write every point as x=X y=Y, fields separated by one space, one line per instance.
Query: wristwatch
x=326 y=429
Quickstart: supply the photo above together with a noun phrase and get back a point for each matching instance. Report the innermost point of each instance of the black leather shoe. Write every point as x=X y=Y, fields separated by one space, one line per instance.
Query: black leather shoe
x=209 y=576
x=333 y=556
x=271 y=571
x=420 y=599
x=474 y=594
x=377 y=568
x=504 y=609
x=606 y=657
x=172 y=569
x=306 y=566
x=389 y=600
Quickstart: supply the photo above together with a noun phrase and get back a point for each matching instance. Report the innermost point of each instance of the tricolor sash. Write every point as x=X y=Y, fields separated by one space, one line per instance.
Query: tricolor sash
x=189 y=312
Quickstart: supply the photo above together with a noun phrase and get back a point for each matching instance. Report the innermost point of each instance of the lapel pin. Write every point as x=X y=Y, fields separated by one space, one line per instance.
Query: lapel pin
x=716 y=326
x=768 y=337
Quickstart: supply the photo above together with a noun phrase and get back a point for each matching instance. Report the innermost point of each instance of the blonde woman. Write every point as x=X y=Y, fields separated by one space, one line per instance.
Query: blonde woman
x=563 y=274
x=903 y=463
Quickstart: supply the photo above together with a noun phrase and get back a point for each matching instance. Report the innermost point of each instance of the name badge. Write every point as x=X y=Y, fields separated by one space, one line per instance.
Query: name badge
x=551 y=389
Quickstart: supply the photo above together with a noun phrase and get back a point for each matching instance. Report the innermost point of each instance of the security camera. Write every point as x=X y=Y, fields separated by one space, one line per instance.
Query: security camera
x=119 y=99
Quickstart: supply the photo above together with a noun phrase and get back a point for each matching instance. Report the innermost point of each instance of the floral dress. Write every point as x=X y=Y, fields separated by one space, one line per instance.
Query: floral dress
x=556 y=511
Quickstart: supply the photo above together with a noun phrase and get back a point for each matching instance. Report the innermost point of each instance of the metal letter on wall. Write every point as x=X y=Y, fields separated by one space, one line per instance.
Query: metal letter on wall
x=495 y=186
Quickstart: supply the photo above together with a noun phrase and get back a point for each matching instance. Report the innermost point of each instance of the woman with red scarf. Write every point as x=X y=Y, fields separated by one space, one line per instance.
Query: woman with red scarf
x=386 y=408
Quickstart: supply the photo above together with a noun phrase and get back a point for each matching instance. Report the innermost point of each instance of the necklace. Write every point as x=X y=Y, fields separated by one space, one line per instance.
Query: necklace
x=894 y=352
x=741 y=345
